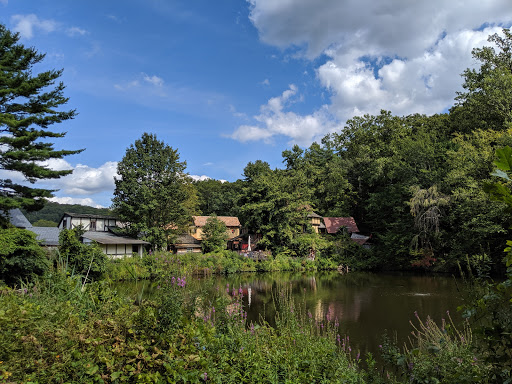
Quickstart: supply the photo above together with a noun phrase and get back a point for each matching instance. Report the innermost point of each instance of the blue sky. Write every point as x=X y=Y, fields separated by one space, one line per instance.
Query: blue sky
x=229 y=82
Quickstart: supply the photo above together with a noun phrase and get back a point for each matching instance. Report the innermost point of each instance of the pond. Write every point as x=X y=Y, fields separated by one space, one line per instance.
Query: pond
x=367 y=305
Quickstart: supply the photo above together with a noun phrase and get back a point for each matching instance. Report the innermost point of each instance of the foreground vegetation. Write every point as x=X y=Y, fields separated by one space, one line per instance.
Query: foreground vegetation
x=58 y=329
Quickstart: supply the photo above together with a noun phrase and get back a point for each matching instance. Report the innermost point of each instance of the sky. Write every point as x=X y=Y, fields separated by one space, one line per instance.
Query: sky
x=233 y=81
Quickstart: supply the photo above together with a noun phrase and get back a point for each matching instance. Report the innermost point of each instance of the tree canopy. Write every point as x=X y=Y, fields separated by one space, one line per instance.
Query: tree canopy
x=28 y=110
x=151 y=192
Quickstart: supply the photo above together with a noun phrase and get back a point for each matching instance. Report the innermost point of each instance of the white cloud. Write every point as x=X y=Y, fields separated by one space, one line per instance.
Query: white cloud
x=76 y=200
x=154 y=80
x=402 y=56
x=274 y=121
x=26 y=24
x=73 y=31
x=265 y=82
x=86 y=180
x=199 y=178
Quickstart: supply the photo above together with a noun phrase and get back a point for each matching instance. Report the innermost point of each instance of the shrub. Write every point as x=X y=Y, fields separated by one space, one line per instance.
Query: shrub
x=21 y=256
x=83 y=259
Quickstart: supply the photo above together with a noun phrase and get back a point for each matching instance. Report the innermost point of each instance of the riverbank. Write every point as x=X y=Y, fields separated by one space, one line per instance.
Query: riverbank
x=152 y=266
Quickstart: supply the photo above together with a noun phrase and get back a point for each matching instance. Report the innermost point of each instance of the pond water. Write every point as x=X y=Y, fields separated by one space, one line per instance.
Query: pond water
x=367 y=305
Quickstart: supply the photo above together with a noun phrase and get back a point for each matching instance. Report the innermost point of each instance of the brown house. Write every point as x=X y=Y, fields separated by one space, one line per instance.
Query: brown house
x=232 y=226
x=186 y=244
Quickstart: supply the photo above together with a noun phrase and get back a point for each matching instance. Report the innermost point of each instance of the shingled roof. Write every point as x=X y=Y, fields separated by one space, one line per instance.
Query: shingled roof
x=18 y=219
x=333 y=224
x=230 y=221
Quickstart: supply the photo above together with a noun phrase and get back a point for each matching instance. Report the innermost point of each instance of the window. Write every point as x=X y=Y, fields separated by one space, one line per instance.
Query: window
x=93 y=225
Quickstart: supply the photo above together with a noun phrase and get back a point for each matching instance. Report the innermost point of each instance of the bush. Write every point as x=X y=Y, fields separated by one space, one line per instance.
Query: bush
x=83 y=259
x=21 y=256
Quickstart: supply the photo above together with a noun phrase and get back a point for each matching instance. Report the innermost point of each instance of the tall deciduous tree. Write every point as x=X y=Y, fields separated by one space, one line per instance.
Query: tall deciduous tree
x=214 y=235
x=28 y=109
x=151 y=191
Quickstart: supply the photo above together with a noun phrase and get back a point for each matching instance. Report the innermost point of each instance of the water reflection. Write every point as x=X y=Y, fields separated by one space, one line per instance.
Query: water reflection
x=365 y=304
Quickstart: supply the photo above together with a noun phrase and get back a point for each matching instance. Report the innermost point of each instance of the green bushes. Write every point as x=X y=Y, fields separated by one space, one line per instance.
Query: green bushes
x=438 y=354
x=84 y=259
x=21 y=256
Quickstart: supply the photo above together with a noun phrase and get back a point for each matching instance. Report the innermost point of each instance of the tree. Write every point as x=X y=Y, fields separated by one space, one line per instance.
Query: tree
x=486 y=102
x=151 y=192
x=214 y=235
x=28 y=109
x=275 y=203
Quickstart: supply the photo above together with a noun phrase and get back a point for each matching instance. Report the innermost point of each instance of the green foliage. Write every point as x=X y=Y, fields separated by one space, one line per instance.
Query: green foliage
x=274 y=203
x=21 y=256
x=87 y=260
x=217 y=197
x=214 y=235
x=151 y=194
x=492 y=303
x=438 y=354
x=44 y=223
x=57 y=331
x=28 y=108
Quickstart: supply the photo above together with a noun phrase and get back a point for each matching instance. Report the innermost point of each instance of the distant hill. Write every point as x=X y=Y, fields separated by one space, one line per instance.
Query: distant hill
x=53 y=212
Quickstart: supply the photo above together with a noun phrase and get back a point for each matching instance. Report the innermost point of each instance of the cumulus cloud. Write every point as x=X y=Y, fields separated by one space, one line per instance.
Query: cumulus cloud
x=274 y=120
x=27 y=24
x=404 y=56
x=86 y=180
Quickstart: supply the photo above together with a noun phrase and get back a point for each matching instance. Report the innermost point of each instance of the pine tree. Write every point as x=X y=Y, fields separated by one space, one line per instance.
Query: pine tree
x=28 y=110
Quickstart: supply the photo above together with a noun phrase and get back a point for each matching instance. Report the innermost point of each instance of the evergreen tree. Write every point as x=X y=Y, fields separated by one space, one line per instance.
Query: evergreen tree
x=151 y=194
x=28 y=109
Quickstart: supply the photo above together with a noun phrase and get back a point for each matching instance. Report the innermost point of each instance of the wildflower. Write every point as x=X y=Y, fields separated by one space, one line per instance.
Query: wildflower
x=336 y=322
x=358 y=355
x=410 y=366
x=205 y=376
x=252 y=328
x=380 y=346
x=310 y=315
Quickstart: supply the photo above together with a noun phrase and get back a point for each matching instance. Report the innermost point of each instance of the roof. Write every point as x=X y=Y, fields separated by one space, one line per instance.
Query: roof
x=110 y=238
x=48 y=236
x=18 y=219
x=88 y=216
x=359 y=239
x=314 y=214
x=333 y=224
x=230 y=221
x=187 y=240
